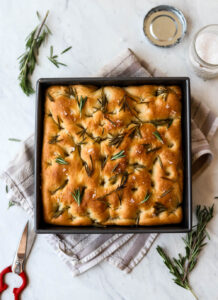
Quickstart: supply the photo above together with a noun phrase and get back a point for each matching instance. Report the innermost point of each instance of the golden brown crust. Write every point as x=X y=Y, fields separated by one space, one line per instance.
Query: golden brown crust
x=142 y=187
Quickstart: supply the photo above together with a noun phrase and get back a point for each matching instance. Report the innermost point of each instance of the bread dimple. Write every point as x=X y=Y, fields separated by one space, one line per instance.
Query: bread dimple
x=112 y=155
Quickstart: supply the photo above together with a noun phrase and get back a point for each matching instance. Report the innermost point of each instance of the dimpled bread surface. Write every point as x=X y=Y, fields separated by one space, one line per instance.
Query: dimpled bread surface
x=112 y=155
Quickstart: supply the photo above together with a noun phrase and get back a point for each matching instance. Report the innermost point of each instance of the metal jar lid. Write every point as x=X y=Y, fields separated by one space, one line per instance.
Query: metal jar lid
x=164 y=26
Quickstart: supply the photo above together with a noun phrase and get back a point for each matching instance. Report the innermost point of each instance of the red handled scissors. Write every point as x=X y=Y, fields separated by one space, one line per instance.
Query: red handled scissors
x=17 y=266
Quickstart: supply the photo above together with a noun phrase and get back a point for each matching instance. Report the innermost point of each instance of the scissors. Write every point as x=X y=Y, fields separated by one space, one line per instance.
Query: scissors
x=17 y=266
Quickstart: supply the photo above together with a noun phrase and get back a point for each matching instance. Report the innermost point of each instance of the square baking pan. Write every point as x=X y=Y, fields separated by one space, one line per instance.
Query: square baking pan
x=185 y=225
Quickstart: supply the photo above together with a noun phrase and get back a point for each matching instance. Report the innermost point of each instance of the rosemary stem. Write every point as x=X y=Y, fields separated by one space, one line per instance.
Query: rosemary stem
x=34 y=41
x=43 y=22
x=193 y=293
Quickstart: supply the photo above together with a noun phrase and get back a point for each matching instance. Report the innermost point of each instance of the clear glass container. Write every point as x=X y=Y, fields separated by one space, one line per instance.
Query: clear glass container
x=203 y=52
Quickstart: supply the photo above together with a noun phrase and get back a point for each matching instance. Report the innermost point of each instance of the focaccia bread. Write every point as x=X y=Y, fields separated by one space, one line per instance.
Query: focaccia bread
x=112 y=155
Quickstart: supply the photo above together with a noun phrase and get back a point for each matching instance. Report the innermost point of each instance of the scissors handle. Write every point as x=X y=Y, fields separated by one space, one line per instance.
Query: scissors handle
x=4 y=286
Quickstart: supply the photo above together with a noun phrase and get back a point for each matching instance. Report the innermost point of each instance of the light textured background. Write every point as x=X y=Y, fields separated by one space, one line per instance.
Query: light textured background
x=98 y=30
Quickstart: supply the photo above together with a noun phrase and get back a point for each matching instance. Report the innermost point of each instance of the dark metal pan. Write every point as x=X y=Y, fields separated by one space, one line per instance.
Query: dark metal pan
x=184 y=83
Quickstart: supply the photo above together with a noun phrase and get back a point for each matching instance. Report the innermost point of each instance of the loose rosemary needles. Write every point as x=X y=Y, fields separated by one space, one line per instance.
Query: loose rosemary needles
x=182 y=266
x=28 y=59
x=53 y=57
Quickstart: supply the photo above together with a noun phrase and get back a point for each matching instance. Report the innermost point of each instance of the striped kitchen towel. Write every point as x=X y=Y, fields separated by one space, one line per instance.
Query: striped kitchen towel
x=82 y=251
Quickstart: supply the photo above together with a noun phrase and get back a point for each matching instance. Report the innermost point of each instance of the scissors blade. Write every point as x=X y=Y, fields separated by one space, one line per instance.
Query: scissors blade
x=20 y=254
x=21 y=251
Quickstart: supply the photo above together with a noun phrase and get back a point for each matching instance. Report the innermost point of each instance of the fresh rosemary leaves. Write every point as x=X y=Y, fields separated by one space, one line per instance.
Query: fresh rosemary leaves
x=123 y=181
x=54 y=139
x=103 y=102
x=61 y=187
x=28 y=59
x=59 y=211
x=81 y=103
x=147 y=196
x=159 y=208
x=103 y=160
x=77 y=195
x=166 y=192
x=182 y=266
x=53 y=58
x=161 y=122
x=118 y=155
x=14 y=140
x=158 y=136
x=61 y=161
x=89 y=170
x=65 y=50
x=163 y=92
x=116 y=140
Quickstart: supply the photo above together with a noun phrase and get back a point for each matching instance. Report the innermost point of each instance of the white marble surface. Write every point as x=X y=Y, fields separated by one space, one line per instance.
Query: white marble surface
x=98 y=30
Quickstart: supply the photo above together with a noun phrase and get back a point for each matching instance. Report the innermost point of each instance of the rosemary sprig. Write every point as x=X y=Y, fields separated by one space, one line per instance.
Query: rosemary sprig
x=78 y=195
x=124 y=104
x=135 y=130
x=118 y=155
x=182 y=266
x=148 y=148
x=38 y=15
x=161 y=122
x=53 y=59
x=6 y=188
x=28 y=59
x=163 y=92
x=136 y=166
x=54 y=139
x=107 y=118
x=65 y=50
x=81 y=103
x=103 y=161
x=97 y=139
x=71 y=93
x=166 y=192
x=61 y=161
x=115 y=167
x=82 y=142
x=160 y=161
x=61 y=187
x=159 y=208
x=116 y=140
x=103 y=103
x=14 y=140
x=123 y=182
x=58 y=212
x=158 y=136
x=89 y=170
x=147 y=196
x=82 y=132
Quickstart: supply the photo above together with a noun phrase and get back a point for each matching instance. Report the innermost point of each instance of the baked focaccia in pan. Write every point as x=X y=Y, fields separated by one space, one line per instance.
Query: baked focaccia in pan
x=112 y=155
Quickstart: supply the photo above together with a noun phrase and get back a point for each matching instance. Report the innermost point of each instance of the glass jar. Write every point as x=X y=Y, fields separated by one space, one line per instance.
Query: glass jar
x=203 y=52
